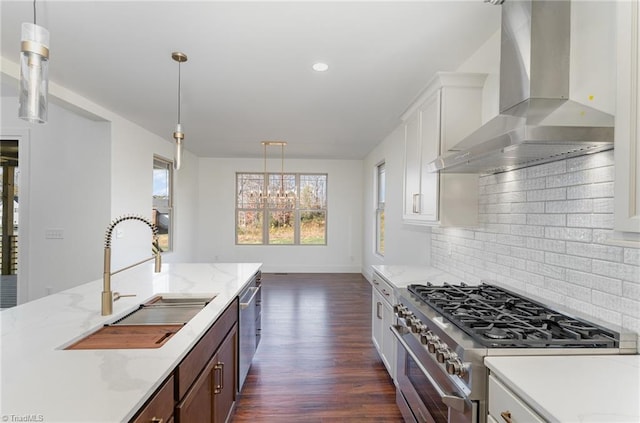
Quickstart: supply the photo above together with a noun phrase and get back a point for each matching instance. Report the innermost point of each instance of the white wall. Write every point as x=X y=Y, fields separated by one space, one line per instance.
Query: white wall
x=65 y=153
x=67 y=167
x=216 y=228
x=404 y=244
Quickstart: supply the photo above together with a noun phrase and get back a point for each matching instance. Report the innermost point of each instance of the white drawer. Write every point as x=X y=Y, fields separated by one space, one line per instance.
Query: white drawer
x=506 y=407
x=384 y=288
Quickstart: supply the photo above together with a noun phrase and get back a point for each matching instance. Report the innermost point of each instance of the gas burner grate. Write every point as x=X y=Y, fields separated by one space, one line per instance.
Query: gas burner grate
x=496 y=317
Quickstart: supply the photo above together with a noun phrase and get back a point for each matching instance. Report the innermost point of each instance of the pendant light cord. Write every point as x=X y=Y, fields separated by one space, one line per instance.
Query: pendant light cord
x=34 y=12
x=179 y=96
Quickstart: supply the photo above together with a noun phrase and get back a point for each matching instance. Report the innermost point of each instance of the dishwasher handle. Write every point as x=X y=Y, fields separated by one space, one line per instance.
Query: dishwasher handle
x=255 y=290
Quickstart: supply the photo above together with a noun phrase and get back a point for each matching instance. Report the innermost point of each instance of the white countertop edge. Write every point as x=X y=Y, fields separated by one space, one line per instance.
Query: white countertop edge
x=102 y=385
x=585 y=388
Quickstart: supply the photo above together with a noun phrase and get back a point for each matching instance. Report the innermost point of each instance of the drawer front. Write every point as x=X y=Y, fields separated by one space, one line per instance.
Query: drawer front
x=189 y=369
x=506 y=407
x=384 y=288
x=160 y=406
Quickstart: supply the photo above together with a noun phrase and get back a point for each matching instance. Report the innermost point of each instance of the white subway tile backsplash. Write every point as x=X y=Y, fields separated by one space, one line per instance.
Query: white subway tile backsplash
x=600 y=190
x=590 y=161
x=527 y=230
x=568 y=234
x=530 y=207
x=547 y=219
x=616 y=270
x=553 y=168
x=632 y=256
x=589 y=176
x=545 y=230
x=600 y=221
x=565 y=260
x=527 y=253
x=547 y=194
x=600 y=283
x=603 y=205
x=569 y=206
x=518 y=219
x=545 y=269
x=604 y=252
x=546 y=244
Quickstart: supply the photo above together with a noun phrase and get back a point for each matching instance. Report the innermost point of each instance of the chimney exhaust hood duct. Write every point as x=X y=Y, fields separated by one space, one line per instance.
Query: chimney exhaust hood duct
x=537 y=121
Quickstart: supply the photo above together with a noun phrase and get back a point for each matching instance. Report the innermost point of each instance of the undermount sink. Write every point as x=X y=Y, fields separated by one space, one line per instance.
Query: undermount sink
x=166 y=309
x=148 y=326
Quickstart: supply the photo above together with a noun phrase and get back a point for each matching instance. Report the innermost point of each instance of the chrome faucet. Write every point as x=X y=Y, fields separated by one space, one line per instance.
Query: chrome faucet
x=108 y=297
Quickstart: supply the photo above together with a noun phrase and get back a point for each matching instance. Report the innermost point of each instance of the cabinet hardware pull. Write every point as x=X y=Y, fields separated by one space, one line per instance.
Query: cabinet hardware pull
x=378 y=305
x=384 y=291
x=157 y=419
x=416 y=204
x=506 y=415
x=218 y=386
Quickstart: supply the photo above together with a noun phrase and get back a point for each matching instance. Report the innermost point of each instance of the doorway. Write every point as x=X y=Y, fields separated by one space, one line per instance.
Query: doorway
x=9 y=217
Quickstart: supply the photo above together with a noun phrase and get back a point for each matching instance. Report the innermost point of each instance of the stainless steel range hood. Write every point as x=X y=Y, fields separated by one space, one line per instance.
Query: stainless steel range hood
x=537 y=122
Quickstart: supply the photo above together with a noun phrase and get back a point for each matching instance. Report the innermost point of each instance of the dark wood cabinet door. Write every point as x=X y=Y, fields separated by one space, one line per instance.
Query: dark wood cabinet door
x=197 y=404
x=224 y=380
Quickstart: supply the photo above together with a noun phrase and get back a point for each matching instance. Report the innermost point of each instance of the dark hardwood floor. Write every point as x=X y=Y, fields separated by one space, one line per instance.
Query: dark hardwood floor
x=316 y=361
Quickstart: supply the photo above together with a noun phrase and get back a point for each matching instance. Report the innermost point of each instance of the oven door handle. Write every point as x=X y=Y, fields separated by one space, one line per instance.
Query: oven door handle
x=451 y=401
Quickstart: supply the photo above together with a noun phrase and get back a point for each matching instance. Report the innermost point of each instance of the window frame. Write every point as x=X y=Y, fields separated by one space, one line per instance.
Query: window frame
x=296 y=210
x=160 y=206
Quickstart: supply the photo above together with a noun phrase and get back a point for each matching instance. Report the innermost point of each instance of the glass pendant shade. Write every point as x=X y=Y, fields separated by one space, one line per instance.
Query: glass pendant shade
x=34 y=73
x=178 y=135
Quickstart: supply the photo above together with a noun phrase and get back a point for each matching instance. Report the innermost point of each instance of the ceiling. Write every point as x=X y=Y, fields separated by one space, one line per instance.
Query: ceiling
x=249 y=75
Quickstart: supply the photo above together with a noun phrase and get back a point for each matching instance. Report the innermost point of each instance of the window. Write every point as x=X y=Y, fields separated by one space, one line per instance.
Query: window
x=284 y=209
x=162 y=201
x=380 y=195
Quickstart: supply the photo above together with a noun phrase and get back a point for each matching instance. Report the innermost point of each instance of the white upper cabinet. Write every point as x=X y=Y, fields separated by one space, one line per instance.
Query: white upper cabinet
x=627 y=145
x=448 y=110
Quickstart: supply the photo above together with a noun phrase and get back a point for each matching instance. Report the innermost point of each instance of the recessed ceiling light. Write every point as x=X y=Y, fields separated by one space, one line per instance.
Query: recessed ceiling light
x=320 y=67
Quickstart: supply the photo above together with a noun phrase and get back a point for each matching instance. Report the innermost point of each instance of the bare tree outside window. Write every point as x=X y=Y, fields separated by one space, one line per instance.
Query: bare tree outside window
x=284 y=209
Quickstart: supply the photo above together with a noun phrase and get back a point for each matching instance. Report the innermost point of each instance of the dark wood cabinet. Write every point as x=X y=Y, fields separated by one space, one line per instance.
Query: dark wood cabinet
x=203 y=387
x=212 y=396
x=159 y=408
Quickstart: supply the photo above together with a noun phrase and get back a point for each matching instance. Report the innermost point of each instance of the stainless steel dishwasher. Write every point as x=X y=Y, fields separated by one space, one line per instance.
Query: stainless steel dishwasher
x=250 y=325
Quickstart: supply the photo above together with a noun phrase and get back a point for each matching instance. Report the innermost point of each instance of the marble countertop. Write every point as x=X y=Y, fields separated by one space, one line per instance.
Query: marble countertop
x=41 y=380
x=402 y=275
x=585 y=389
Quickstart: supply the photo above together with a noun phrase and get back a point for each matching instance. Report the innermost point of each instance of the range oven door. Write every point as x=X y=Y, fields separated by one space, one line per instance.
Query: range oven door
x=425 y=392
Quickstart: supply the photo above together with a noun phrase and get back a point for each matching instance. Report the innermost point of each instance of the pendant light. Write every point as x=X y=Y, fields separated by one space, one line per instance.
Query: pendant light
x=276 y=196
x=34 y=72
x=178 y=135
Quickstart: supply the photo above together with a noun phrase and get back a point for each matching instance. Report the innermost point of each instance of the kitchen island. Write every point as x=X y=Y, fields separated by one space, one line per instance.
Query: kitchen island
x=41 y=381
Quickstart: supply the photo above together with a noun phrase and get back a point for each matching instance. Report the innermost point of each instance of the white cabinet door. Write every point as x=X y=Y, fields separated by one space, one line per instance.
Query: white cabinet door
x=627 y=131
x=376 y=319
x=412 y=166
x=388 y=340
x=449 y=109
x=430 y=141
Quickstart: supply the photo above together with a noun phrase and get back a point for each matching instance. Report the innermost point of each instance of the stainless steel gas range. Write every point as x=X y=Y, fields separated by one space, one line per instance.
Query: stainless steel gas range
x=444 y=332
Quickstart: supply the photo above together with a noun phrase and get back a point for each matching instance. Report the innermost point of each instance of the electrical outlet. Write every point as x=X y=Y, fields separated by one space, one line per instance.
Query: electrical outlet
x=119 y=233
x=449 y=249
x=54 y=234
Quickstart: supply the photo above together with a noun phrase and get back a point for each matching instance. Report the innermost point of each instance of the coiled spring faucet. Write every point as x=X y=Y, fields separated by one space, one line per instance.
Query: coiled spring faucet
x=108 y=297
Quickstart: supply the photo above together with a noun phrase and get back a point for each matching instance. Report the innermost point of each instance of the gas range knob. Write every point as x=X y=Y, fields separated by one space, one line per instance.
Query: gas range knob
x=399 y=309
x=455 y=367
x=417 y=326
x=445 y=354
x=427 y=336
x=434 y=345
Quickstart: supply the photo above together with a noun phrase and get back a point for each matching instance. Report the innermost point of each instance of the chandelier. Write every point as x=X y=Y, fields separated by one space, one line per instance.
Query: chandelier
x=277 y=193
